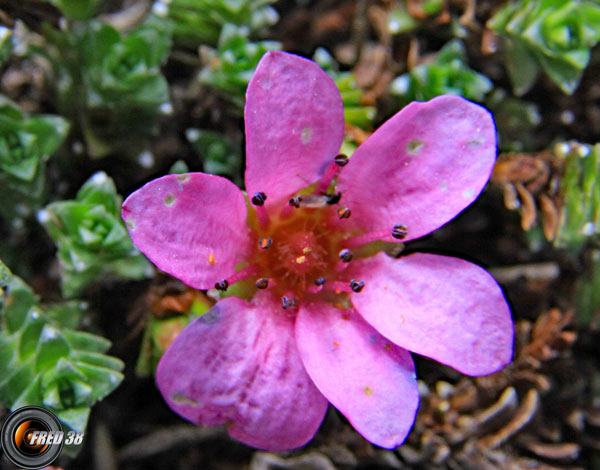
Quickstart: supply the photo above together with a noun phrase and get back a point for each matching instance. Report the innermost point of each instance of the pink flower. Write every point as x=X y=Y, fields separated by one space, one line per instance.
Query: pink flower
x=327 y=320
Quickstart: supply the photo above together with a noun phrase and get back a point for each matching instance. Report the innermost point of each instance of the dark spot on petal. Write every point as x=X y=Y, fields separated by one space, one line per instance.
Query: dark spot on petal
x=413 y=147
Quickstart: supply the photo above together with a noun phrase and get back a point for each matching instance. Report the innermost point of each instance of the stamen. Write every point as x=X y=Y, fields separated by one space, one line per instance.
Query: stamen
x=320 y=281
x=333 y=198
x=222 y=285
x=262 y=283
x=265 y=243
x=248 y=271
x=287 y=303
x=344 y=213
x=325 y=181
x=295 y=201
x=301 y=259
x=341 y=159
x=259 y=198
x=357 y=286
x=346 y=255
x=400 y=231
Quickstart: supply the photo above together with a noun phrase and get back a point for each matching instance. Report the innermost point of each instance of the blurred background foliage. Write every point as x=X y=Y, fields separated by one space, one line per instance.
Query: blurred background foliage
x=136 y=89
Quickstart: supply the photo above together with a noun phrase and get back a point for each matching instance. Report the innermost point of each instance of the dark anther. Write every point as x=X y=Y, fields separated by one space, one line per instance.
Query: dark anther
x=344 y=213
x=356 y=286
x=287 y=303
x=295 y=201
x=222 y=285
x=333 y=198
x=341 y=159
x=346 y=255
x=262 y=283
x=320 y=281
x=265 y=243
x=259 y=198
x=400 y=231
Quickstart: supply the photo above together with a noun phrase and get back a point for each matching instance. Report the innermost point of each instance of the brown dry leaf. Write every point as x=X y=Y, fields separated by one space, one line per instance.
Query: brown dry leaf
x=530 y=181
x=528 y=212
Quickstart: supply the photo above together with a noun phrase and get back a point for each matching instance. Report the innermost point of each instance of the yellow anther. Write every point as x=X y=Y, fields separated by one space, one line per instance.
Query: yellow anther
x=306 y=250
x=300 y=259
x=211 y=258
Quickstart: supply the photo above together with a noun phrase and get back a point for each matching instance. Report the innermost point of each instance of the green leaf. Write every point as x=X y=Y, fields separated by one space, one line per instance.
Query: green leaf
x=230 y=67
x=26 y=142
x=580 y=185
x=198 y=22
x=552 y=34
x=78 y=9
x=447 y=73
x=91 y=237
x=45 y=361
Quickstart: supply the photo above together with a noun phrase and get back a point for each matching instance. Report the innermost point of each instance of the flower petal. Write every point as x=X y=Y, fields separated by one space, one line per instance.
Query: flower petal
x=442 y=307
x=421 y=167
x=238 y=364
x=294 y=120
x=369 y=379
x=192 y=226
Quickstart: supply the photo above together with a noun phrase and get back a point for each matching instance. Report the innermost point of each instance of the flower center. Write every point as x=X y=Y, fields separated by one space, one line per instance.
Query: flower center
x=302 y=249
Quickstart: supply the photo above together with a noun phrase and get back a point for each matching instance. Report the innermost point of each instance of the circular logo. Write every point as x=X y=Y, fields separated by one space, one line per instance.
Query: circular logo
x=32 y=437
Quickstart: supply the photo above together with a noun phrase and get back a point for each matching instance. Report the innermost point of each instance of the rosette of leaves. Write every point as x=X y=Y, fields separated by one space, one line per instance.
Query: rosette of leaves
x=446 y=73
x=580 y=185
x=46 y=361
x=91 y=237
x=26 y=142
x=553 y=35
x=198 y=22
x=109 y=81
x=230 y=66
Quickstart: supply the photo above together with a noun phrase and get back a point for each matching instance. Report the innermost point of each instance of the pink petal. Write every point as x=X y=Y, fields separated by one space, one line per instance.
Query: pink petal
x=442 y=307
x=294 y=125
x=191 y=226
x=238 y=364
x=420 y=168
x=369 y=379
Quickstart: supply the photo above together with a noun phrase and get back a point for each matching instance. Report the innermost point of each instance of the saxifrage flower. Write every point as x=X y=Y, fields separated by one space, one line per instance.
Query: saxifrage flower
x=323 y=318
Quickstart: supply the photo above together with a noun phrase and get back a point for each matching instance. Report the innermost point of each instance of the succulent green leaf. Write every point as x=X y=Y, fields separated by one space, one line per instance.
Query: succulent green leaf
x=198 y=22
x=26 y=142
x=447 y=73
x=45 y=361
x=78 y=9
x=551 y=34
x=91 y=237
x=580 y=218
